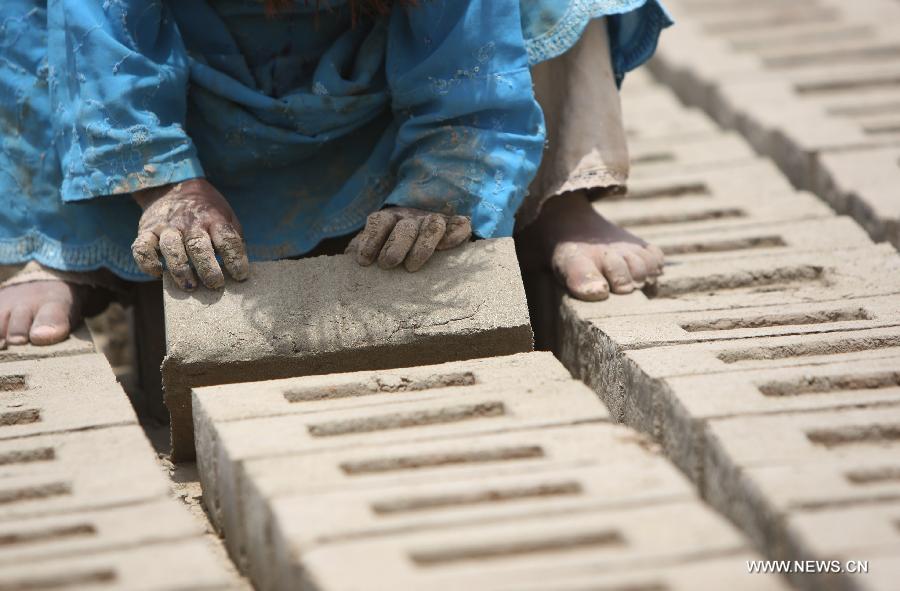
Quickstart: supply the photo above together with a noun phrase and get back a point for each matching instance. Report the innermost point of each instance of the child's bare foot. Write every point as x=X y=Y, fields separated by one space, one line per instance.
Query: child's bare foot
x=39 y=312
x=590 y=255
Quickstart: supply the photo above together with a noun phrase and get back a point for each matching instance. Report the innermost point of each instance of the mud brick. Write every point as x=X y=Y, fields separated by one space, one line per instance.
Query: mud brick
x=375 y=392
x=328 y=314
x=789 y=130
x=654 y=158
x=312 y=394
x=864 y=533
x=776 y=239
x=751 y=281
x=623 y=474
x=864 y=184
x=712 y=574
x=463 y=413
x=493 y=556
x=646 y=373
x=681 y=406
x=743 y=456
x=78 y=343
x=171 y=566
x=75 y=534
x=656 y=113
x=750 y=194
x=770 y=496
x=677 y=63
x=593 y=349
x=77 y=471
x=60 y=394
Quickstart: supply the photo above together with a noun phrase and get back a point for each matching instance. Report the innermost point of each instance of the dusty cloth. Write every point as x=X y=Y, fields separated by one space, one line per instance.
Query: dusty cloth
x=34 y=271
x=586 y=146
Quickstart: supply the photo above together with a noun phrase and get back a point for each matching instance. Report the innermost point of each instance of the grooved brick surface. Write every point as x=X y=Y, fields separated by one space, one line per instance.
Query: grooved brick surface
x=542 y=395
x=54 y=394
x=682 y=406
x=517 y=552
x=79 y=470
x=750 y=281
x=327 y=314
x=167 y=566
x=78 y=343
x=39 y=539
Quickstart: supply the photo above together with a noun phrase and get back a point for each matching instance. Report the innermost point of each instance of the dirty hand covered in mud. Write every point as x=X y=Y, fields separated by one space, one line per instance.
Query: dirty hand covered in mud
x=189 y=222
x=406 y=235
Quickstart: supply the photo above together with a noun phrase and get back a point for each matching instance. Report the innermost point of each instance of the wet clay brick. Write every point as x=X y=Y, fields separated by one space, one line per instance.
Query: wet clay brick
x=481 y=556
x=645 y=372
x=751 y=281
x=751 y=193
x=79 y=343
x=625 y=473
x=684 y=405
x=864 y=533
x=653 y=158
x=327 y=314
x=168 y=566
x=775 y=239
x=710 y=574
x=39 y=539
x=77 y=471
x=58 y=394
x=741 y=470
x=462 y=411
x=863 y=183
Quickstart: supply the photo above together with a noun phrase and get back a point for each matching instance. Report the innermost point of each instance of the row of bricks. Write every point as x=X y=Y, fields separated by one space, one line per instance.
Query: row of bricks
x=484 y=474
x=774 y=337
x=817 y=92
x=83 y=502
x=282 y=323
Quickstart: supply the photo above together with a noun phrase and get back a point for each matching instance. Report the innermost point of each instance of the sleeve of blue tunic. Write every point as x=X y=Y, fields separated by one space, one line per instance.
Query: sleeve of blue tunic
x=470 y=131
x=119 y=94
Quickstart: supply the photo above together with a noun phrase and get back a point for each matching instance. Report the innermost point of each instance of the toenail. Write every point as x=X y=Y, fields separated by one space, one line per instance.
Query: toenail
x=17 y=339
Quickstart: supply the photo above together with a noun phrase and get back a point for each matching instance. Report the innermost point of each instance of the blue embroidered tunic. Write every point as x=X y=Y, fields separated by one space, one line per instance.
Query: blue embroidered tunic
x=305 y=123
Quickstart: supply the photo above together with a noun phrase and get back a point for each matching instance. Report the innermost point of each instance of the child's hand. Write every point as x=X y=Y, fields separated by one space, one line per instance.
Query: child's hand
x=189 y=223
x=405 y=235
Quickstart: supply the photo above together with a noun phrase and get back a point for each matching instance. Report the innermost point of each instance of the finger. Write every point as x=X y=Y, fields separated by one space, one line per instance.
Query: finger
x=398 y=243
x=430 y=234
x=636 y=267
x=580 y=274
x=51 y=324
x=172 y=247
x=373 y=237
x=229 y=243
x=200 y=250
x=4 y=323
x=459 y=229
x=351 y=248
x=143 y=249
x=19 y=325
x=615 y=269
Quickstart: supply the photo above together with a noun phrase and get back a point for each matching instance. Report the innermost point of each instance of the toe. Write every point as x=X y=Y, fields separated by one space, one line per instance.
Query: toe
x=615 y=269
x=19 y=325
x=580 y=274
x=51 y=324
x=636 y=267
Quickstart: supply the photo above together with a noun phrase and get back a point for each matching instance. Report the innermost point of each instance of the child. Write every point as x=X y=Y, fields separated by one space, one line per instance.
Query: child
x=246 y=128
